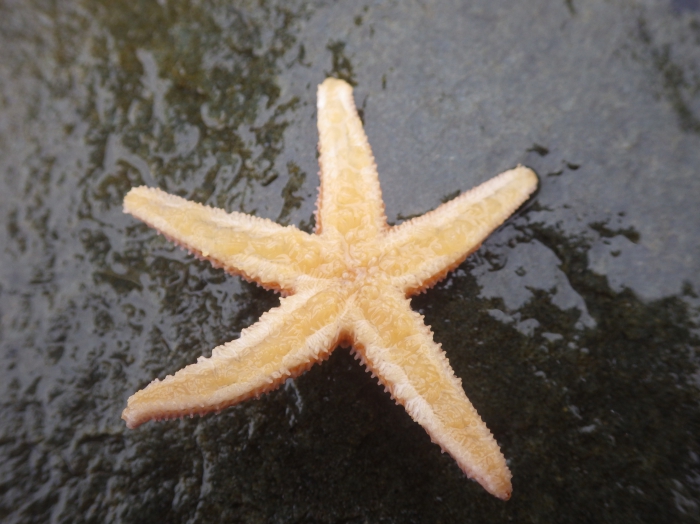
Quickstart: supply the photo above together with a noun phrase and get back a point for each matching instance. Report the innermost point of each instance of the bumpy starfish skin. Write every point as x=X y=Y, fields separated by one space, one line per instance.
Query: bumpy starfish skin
x=346 y=284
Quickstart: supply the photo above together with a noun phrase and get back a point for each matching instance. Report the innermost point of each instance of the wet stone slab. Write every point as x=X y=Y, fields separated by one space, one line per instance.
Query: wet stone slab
x=574 y=328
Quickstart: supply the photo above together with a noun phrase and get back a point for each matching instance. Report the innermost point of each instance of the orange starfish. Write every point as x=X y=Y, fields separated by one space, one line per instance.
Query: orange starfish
x=347 y=284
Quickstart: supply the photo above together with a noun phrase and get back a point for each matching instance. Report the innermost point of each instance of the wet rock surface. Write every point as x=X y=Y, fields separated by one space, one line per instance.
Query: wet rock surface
x=574 y=328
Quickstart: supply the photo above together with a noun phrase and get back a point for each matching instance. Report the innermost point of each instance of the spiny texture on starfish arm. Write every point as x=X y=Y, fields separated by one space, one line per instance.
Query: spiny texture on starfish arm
x=348 y=283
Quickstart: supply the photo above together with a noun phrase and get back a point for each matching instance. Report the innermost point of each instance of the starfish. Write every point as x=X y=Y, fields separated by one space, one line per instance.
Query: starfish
x=347 y=284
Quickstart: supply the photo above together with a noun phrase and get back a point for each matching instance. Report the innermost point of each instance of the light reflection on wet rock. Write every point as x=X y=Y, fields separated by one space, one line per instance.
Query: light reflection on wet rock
x=531 y=266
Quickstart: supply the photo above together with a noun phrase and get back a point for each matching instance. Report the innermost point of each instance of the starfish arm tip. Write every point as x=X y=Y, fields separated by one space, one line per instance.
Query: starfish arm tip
x=529 y=176
x=131 y=419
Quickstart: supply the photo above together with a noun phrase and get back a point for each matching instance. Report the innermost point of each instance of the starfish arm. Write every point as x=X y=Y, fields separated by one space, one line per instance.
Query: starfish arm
x=284 y=343
x=398 y=347
x=350 y=199
x=423 y=250
x=257 y=249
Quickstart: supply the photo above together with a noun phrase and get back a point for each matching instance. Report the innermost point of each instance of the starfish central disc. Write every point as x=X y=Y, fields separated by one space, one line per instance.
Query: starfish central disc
x=348 y=282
